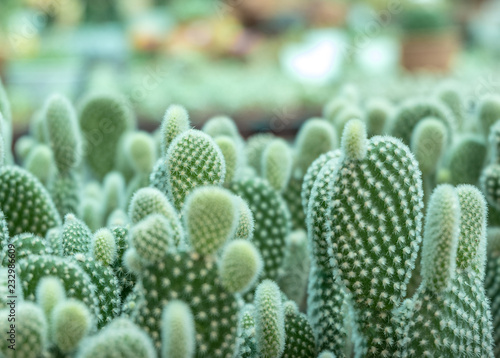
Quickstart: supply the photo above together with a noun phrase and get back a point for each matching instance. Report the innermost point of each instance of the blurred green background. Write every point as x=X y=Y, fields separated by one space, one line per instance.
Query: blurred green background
x=265 y=63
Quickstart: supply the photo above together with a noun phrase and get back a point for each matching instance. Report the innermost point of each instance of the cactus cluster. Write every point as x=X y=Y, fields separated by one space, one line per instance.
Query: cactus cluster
x=375 y=233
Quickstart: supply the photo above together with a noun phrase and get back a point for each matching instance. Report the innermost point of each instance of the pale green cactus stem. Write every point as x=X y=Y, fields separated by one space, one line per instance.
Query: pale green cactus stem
x=37 y=127
x=378 y=113
x=451 y=297
x=76 y=237
x=277 y=164
x=114 y=192
x=103 y=121
x=247 y=344
x=152 y=237
x=375 y=210
x=118 y=217
x=347 y=114
x=133 y=262
x=90 y=212
x=299 y=334
x=269 y=320
x=63 y=134
x=232 y=157
x=254 y=149
x=492 y=282
x=412 y=111
x=175 y=122
x=70 y=322
x=23 y=147
x=450 y=94
x=40 y=163
x=121 y=338
x=66 y=193
x=246 y=223
x=211 y=218
x=103 y=246
x=193 y=159
x=294 y=273
x=333 y=108
x=223 y=125
x=26 y=203
x=488 y=112
x=148 y=201
x=27 y=334
x=466 y=160
x=141 y=152
x=49 y=293
x=178 y=331
x=240 y=266
x=315 y=137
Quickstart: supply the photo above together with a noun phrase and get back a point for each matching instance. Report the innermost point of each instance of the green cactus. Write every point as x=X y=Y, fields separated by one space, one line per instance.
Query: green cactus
x=450 y=94
x=333 y=108
x=247 y=344
x=26 y=245
x=488 y=112
x=175 y=122
x=4 y=230
x=240 y=265
x=63 y=133
x=378 y=113
x=141 y=152
x=90 y=212
x=222 y=125
x=26 y=203
x=76 y=237
x=269 y=320
x=411 y=112
x=40 y=163
x=345 y=115
x=121 y=338
x=103 y=121
x=27 y=334
x=467 y=158
x=49 y=292
x=114 y=192
x=492 y=282
x=232 y=157
x=5 y=124
x=428 y=143
x=103 y=246
x=294 y=272
x=255 y=147
x=70 y=322
x=152 y=237
x=23 y=147
x=299 y=334
x=277 y=164
x=193 y=159
x=178 y=332
x=246 y=223
x=65 y=192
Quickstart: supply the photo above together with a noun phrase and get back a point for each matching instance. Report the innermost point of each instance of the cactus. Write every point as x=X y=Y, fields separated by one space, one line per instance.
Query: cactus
x=488 y=112
x=466 y=160
x=246 y=223
x=103 y=246
x=247 y=344
x=492 y=282
x=269 y=320
x=378 y=113
x=333 y=108
x=240 y=266
x=299 y=334
x=152 y=237
x=345 y=115
x=222 y=125
x=90 y=212
x=294 y=272
x=70 y=322
x=49 y=293
x=193 y=159
x=178 y=333
x=63 y=133
x=141 y=152
x=23 y=147
x=254 y=149
x=27 y=334
x=175 y=122
x=121 y=338
x=26 y=203
x=428 y=143
x=411 y=112
x=450 y=95
x=277 y=164
x=114 y=192
x=5 y=124
x=40 y=163
x=103 y=121
x=65 y=192
x=232 y=157
x=26 y=245
x=4 y=230
x=76 y=237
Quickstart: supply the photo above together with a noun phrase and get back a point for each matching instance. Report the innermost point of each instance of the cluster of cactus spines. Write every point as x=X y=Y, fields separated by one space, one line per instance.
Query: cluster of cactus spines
x=411 y=112
x=240 y=265
x=148 y=201
x=492 y=282
x=272 y=221
x=178 y=332
x=466 y=160
x=277 y=164
x=294 y=272
x=63 y=133
x=70 y=322
x=103 y=120
x=488 y=112
x=210 y=217
x=175 y=122
x=26 y=204
x=29 y=335
x=193 y=159
x=269 y=320
x=103 y=246
x=451 y=299
x=4 y=230
x=299 y=341
x=121 y=338
x=40 y=163
x=378 y=113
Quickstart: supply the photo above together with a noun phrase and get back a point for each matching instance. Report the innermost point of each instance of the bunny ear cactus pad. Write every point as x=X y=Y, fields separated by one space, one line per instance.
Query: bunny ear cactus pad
x=26 y=203
x=63 y=133
x=299 y=335
x=411 y=112
x=175 y=122
x=103 y=121
x=277 y=164
x=76 y=237
x=272 y=221
x=376 y=219
x=193 y=159
x=178 y=334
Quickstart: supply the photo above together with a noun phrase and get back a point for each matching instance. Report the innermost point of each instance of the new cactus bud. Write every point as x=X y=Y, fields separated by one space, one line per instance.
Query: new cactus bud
x=175 y=122
x=245 y=222
x=178 y=332
x=103 y=246
x=76 y=236
x=70 y=322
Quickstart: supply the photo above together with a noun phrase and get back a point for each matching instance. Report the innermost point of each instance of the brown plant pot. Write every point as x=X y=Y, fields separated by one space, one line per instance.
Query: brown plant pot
x=433 y=52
